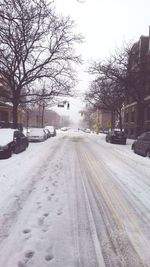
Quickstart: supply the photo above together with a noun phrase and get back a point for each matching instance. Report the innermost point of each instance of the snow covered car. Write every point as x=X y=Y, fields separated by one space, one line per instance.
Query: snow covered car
x=52 y=130
x=141 y=146
x=116 y=137
x=87 y=130
x=37 y=135
x=12 y=141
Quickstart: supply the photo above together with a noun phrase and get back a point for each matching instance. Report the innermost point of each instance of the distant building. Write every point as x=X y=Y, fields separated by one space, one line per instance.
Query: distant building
x=34 y=118
x=104 y=119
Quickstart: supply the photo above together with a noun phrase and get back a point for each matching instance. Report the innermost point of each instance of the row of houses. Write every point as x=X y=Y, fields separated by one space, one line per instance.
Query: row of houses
x=28 y=117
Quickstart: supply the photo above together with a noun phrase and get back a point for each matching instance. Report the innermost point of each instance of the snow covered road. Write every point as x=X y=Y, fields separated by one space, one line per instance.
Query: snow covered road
x=75 y=201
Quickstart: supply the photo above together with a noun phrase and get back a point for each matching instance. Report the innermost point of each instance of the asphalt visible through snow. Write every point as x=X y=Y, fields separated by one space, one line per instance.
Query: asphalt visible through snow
x=75 y=201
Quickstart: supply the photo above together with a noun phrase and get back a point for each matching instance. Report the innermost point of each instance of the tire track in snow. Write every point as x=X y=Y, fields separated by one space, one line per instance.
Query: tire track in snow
x=136 y=241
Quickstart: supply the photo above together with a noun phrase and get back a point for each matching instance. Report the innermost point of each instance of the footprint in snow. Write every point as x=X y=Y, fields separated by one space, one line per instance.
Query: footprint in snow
x=59 y=211
x=54 y=183
x=26 y=231
x=46 y=214
x=49 y=257
x=49 y=198
x=29 y=254
x=21 y=264
x=40 y=221
x=46 y=188
x=38 y=204
x=44 y=230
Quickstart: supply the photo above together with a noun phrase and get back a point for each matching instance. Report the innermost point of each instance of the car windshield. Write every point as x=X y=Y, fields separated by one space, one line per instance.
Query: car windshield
x=6 y=136
x=119 y=133
x=50 y=128
x=36 y=132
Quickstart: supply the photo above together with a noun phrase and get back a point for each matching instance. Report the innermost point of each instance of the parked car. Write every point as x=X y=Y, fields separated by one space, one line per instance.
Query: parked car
x=141 y=146
x=116 y=136
x=37 y=135
x=87 y=130
x=105 y=130
x=12 y=141
x=52 y=130
x=64 y=129
x=48 y=133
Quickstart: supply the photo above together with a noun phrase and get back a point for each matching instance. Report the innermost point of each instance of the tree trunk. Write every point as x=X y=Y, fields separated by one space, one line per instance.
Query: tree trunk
x=15 y=114
x=112 y=119
x=43 y=113
x=27 y=115
x=120 y=121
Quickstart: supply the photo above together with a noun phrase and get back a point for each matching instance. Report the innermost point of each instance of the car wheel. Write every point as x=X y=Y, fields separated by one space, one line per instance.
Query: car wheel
x=9 y=154
x=148 y=154
x=16 y=150
x=134 y=149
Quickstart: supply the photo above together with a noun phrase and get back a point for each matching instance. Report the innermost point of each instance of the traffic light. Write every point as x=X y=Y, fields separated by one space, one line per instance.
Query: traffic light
x=60 y=105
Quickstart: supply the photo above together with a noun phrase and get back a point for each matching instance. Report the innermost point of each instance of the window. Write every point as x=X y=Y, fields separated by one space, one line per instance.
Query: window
x=132 y=131
x=147 y=136
x=3 y=116
x=148 y=113
x=133 y=116
x=126 y=117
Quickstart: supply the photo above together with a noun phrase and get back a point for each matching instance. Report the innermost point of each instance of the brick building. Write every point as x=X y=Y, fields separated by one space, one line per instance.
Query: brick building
x=137 y=106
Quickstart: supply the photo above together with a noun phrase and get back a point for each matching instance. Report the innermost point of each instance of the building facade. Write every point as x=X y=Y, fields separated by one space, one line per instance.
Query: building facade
x=137 y=106
x=6 y=107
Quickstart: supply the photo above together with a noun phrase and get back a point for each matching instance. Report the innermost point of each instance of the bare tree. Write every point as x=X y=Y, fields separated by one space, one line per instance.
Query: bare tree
x=35 y=45
x=106 y=95
x=130 y=72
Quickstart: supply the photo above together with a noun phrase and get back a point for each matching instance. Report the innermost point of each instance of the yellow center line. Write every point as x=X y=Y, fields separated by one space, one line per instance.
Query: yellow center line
x=114 y=193
x=102 y=190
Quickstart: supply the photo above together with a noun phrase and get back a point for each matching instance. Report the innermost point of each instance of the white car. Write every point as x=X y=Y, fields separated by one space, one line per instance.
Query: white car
x=12 y=141
x=37 y=135
x=88 y=130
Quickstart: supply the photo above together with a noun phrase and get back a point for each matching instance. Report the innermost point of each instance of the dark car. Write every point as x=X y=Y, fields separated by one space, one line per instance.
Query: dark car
x=47 y=133
x=116 y=137
x=12 y=141
x=52 y=130
x=141 y=146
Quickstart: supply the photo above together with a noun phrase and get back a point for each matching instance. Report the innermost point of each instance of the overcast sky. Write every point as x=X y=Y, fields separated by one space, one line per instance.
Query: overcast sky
x=105 y=24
